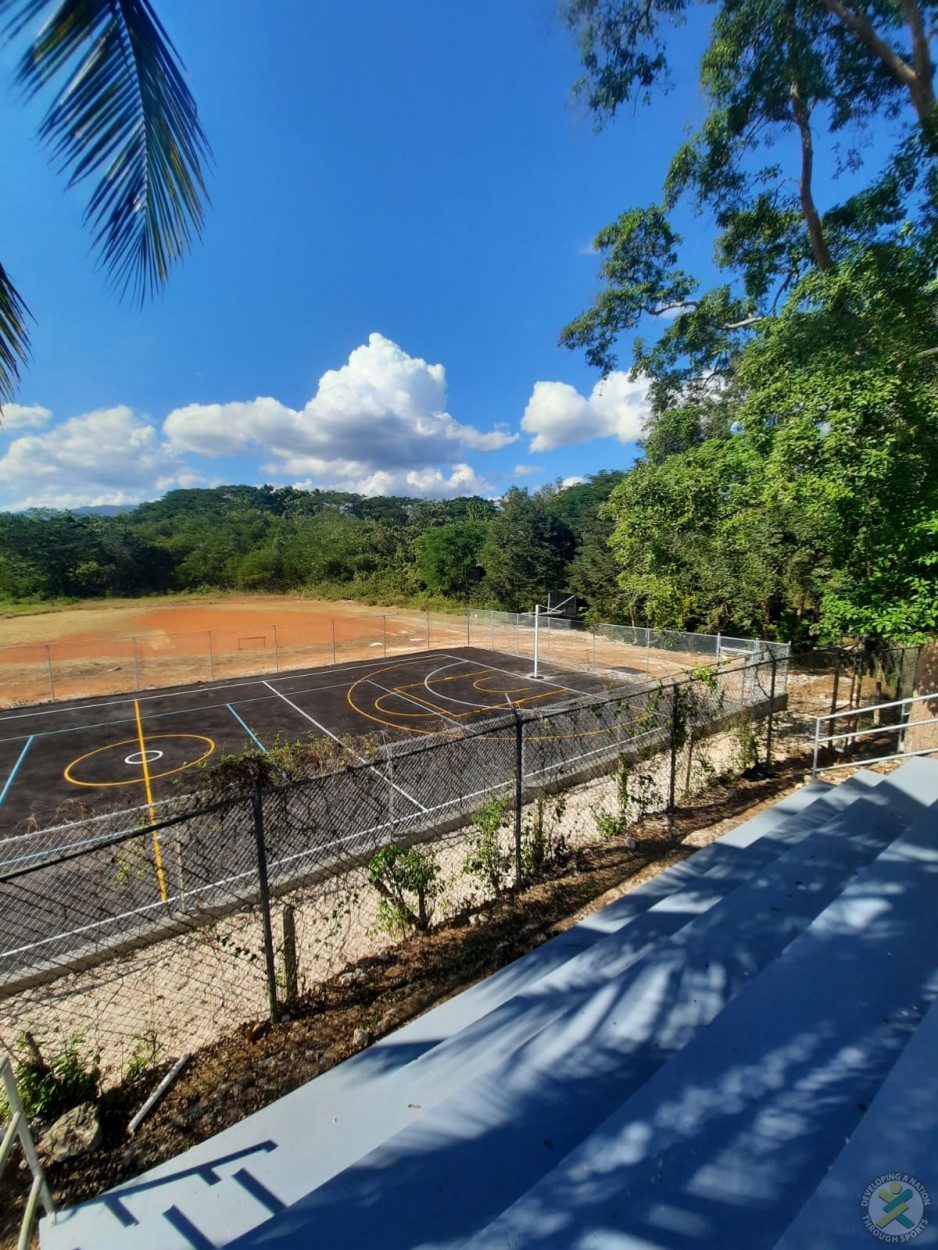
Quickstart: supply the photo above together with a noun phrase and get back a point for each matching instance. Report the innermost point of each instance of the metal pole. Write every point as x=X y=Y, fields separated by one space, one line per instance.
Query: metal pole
x=333 y=640
x=768 y=738
x=537 y=625
x=276 y=652
x=817 y=743
x=211 y=659
x=257 y=802
x=836 y=681
x=428 y=631
x=491 y=631
x=136 y=665
x=179 y=873
x=384 y=627
x=519 y=774
x=675 y=725
x=593 y=655
x=467 y=626
x=290 y=976
x=49 y=666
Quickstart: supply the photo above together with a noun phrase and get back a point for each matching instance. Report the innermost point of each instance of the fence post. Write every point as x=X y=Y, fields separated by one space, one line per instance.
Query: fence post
x=257 y=802
x=428 y=631
x=290 y=977
x=49 y=666
x=211 y=657
x=276 y=652
x=468 y=610
x=136 y=665
x=519 y=775
x=384 y=635
x=771 y=726
x=333 y=640
x=675 y=729
x=836 y=682
x=817 y=744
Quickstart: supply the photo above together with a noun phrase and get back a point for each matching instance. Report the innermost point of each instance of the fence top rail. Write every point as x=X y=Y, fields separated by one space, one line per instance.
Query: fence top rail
x=875 y=707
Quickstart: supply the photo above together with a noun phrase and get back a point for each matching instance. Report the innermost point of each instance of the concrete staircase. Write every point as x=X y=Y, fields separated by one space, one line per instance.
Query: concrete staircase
x=727 y=1057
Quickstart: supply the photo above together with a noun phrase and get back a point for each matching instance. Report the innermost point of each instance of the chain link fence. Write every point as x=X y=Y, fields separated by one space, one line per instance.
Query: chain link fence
x=150 y=939
x=79 y=668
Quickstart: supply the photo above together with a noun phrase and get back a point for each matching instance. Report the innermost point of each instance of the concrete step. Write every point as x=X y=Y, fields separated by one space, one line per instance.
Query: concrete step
x=350 y=1110
x=721 y=1144
x=503 y=1128
x=896 y=1138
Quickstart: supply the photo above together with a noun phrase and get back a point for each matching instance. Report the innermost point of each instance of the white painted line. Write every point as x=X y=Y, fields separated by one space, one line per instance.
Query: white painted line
x=328 y=732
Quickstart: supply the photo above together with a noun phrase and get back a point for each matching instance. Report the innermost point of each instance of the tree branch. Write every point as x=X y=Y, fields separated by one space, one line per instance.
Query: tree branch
x=822 y=256
x=918 y=81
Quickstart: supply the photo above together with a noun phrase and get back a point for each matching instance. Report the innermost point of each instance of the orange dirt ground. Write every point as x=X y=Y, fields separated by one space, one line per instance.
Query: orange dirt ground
x=98 y=649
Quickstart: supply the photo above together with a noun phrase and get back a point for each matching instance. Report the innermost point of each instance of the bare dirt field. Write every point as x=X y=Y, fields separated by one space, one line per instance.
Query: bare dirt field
x=126 y=645
x=129 y=645
x=122 y=618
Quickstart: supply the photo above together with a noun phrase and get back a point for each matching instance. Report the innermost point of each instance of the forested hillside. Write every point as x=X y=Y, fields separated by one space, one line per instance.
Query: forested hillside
x=388 y=549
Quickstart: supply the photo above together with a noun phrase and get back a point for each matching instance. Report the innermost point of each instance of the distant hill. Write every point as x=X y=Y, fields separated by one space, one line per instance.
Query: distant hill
x=105 y=509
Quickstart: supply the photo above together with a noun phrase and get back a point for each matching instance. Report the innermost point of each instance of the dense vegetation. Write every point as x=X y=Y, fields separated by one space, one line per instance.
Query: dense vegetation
x=323 y=542
x=791 y=473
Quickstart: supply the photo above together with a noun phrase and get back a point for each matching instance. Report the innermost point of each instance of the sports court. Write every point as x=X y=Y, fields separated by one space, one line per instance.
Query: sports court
x=132 y=750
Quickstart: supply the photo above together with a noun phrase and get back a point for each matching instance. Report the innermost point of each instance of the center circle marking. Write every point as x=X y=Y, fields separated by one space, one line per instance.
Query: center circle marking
x=141 y=757
x=202 y=745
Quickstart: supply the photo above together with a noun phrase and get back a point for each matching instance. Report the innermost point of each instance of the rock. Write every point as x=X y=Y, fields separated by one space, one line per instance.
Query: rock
x=361 y=1038
x=76 y=1133
x=390 y=1020
x=354 y=976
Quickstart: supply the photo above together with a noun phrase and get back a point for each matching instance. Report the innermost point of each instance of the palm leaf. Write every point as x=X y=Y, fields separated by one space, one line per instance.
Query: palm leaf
x=14 y=337
x=125 y=113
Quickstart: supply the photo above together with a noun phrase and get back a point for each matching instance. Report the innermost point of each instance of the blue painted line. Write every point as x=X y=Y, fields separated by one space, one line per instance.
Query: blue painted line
x=16 y=767
x=246 y=728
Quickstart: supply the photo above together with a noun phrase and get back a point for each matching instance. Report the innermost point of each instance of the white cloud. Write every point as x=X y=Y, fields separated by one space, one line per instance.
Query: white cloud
x=106 y=456
x=382 y=412
x=576 y=480
x=19 y=417
x=461 y=480
x=558 y=415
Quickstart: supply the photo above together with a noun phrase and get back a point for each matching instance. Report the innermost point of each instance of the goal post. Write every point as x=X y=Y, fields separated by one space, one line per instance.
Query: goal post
x=556 y=605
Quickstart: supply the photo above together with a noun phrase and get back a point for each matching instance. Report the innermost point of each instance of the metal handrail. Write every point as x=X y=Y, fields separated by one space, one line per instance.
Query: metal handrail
x=851 y=735
x=19 y=1128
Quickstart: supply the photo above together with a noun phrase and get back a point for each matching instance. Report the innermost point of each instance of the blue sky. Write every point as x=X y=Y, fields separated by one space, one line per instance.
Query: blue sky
x=403 y=196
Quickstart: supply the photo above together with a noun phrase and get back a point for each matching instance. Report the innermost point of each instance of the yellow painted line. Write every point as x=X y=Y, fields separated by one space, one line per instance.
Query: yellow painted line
x=149 y=789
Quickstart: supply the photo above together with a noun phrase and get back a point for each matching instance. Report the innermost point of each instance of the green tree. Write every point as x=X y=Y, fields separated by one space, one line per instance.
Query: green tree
x=790 y=458
x=448 y=557
x=125 y=114
x=526 y=551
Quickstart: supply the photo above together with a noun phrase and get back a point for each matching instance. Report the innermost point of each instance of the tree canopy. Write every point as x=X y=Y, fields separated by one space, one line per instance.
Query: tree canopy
x=789 y=476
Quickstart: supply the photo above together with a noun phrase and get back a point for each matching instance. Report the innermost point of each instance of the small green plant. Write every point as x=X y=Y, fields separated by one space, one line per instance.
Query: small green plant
x=747 y=745
x=487 y=860
x=407 y=879
x=132 y=862
x=145 y=1054
x=609 y=824
x=68 y=1074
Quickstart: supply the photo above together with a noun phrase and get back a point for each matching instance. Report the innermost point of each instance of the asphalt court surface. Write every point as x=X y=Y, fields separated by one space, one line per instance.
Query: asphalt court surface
x=124 y=752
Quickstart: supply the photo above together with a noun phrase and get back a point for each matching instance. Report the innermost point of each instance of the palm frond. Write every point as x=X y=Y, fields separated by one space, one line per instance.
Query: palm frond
x=14 y=337
x=125 y=113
